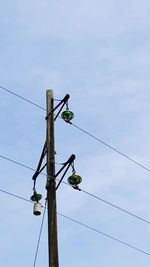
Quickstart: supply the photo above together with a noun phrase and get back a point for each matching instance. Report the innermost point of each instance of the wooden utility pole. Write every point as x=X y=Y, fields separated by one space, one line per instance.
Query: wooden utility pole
x=51 y=184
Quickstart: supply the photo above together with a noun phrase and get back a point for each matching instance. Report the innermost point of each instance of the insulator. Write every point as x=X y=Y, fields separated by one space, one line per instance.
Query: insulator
x=67 y=115
x=74 y=179
x=36 y=197
x=37 y=209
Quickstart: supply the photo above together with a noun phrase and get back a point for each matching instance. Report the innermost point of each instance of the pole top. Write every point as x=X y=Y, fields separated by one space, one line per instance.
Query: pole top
x=50 y=92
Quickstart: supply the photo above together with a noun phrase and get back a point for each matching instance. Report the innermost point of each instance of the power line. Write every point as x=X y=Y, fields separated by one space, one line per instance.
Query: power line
x=104 y=234
x=86 y=192
x=21 y=97
x=18 y=163
x=23 y=165
x=116 y=206
x=111 y=147
x=40 y=233
x=13 y=195
x=77 y=222
x=84 y=131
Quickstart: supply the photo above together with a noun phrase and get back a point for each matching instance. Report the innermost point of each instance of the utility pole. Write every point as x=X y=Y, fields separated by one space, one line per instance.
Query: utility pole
x=51 y=184
x=73 y=180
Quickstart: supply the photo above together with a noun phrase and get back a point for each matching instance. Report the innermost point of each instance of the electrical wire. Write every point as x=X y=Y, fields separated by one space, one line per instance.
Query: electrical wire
x=104 y=234
x=115 y=206
x=77 y=222
x=111 y=147
x=40 y=233
x=84 y=131
x=85 y=192
x=21 y=97
x=13 y=195
x=18 y=163
x=23 y=165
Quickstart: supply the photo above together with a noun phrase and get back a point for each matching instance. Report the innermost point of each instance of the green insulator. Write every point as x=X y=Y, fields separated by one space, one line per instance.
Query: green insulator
x=36 y=197
x=74 y=179
x=67 y=115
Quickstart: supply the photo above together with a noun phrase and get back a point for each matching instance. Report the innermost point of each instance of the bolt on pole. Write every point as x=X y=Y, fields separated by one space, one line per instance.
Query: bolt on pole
x=51 y=184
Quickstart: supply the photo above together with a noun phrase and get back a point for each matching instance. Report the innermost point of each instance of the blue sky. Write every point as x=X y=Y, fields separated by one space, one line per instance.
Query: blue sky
x=99 y=53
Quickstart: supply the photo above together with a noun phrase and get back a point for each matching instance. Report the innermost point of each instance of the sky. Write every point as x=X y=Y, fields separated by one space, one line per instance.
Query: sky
x=98 y=52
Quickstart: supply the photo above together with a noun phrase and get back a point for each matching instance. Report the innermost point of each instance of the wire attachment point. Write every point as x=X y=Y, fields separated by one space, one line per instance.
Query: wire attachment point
x=67 y=115
x=76 y=187
x=36 y=197
x=74 y=180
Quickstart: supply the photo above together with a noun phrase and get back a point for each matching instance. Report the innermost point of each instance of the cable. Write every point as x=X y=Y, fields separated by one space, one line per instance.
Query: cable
x=80 y=223
x=18 y=163
x=115 y=206
x=25 y=99
x=86 y=192
x=104 y=234
x=13 y=195
x=21 y=97
x=39 y=238
x=111 y=147
x=84 y=131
